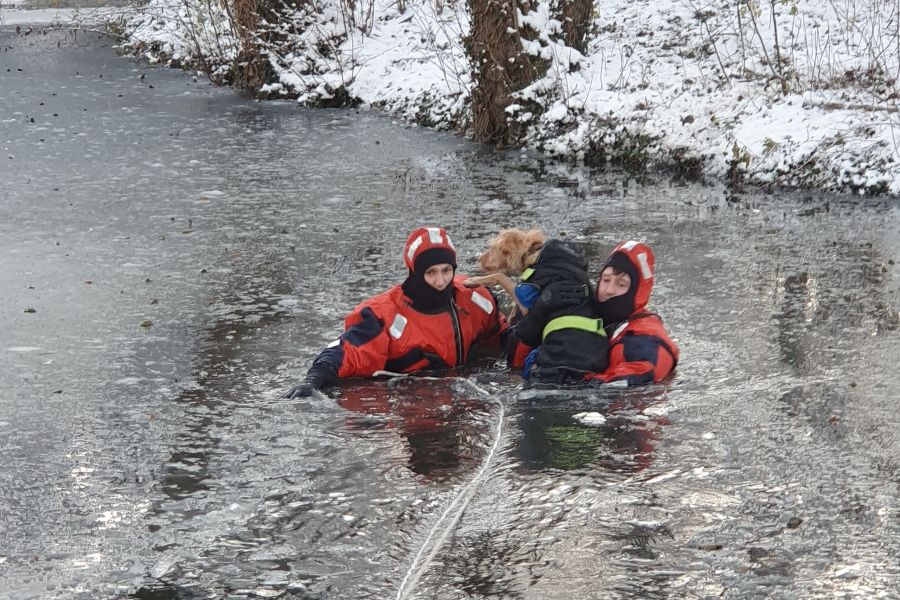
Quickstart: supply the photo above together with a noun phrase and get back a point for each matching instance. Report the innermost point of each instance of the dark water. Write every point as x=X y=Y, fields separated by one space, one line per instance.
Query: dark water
x=158 y=461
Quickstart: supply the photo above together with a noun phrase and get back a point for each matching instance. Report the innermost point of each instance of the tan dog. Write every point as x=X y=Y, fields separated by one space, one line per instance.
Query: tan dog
x=510 y=253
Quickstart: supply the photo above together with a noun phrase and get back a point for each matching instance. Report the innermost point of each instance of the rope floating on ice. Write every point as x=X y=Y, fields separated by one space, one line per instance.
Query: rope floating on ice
x=448 y=520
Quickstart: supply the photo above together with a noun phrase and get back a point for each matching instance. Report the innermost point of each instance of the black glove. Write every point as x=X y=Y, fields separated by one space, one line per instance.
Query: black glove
x=304 y=390
x=317 y=378
x=435 y=361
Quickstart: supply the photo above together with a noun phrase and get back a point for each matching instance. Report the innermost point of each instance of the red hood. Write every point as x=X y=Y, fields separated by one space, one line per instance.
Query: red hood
x=426 y=238
x=641 y=257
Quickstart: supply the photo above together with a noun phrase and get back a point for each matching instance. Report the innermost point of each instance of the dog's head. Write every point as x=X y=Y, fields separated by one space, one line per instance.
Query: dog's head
x=512 y=251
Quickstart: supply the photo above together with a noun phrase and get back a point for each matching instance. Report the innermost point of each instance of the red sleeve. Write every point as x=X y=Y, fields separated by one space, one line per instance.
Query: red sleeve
x=493 y=325
x=494 y=329
x=364 y=344
x=517 y=355
x=637 y=360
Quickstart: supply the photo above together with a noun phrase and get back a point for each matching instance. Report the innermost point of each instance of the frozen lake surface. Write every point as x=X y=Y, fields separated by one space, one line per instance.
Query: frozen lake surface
x=172 y=257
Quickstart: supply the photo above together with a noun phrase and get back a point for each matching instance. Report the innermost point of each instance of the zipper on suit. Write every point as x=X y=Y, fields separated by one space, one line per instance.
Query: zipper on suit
x=457 y=334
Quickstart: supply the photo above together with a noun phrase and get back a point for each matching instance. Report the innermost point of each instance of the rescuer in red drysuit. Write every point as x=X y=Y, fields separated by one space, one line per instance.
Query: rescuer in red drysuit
x=430 y=320
x=641 y=350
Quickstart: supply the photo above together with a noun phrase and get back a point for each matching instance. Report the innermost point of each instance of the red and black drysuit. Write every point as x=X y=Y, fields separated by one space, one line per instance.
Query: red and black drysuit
x=561 y=322
x=641 y=350
x=412 y=326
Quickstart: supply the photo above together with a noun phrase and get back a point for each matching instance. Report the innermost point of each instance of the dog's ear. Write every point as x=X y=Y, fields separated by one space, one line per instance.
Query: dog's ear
x=534 y=242
x=534 y=237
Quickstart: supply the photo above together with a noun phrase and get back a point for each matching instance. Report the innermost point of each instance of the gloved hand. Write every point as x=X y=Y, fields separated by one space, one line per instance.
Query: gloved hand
x=436 y=362
x=594 y=382
x=317 y=378
x=529 y=365
x=304 y=390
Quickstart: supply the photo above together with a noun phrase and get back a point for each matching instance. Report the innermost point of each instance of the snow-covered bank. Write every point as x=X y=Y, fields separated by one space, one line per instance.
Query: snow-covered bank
x=57 y=17
x=803 y=96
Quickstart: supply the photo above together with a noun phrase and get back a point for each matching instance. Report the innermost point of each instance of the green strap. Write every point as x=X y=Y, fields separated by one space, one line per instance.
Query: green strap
x=574 y=322
x=526 y=274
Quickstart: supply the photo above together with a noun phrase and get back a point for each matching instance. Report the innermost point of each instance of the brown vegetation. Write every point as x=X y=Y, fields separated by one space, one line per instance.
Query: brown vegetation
x=251 y=69
x=575 y=16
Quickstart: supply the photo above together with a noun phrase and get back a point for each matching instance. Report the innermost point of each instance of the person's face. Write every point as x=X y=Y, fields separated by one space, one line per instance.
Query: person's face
x=439 y=276
x=612 y=284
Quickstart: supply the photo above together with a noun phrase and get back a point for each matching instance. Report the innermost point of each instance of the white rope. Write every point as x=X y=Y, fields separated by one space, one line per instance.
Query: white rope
x=454 y=510
x=393 y=375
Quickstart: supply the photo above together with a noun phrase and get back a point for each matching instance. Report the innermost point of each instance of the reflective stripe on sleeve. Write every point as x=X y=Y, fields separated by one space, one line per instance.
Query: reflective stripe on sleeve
x=398 y=326
x=334 y=343
x=482 y=303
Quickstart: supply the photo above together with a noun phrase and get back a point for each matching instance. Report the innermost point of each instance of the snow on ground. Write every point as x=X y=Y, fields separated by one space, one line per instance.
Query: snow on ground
x=701 y=86
x=10 y=17
x=16 y=16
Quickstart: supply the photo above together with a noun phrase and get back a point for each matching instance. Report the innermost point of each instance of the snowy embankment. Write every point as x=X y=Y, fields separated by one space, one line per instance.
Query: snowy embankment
x=803 y=96
x=18 y=13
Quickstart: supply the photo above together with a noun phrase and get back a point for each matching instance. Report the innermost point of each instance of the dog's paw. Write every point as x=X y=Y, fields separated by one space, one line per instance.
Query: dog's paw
x=480 y=280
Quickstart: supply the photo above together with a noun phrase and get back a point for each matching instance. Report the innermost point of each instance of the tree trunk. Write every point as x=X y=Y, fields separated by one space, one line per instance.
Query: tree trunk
x=251 y=69
x=499 y=67
x=576 y=22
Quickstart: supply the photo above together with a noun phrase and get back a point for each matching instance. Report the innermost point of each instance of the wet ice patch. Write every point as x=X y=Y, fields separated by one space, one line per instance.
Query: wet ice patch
x=709 y=499
x=23 y=348
x=266 y=592
x=163 y=566
x=658 y=410
x=663 y=476
x=212 y=194
x=88 y=561
x=539 y=394
x=591 y=419
x=110 y=519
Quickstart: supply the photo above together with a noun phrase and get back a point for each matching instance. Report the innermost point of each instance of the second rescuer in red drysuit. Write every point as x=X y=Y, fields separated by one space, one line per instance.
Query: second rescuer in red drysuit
x=430 y=320
x=640 y=349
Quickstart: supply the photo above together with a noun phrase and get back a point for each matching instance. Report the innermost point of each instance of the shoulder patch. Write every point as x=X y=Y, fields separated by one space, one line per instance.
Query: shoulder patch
x=482 y=302
x=398 y=326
